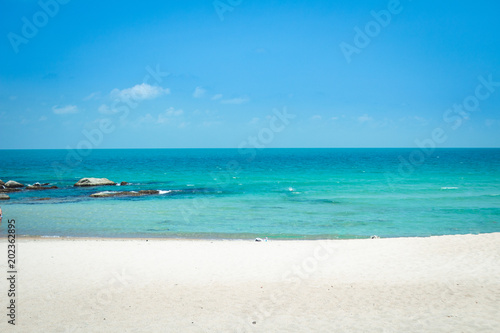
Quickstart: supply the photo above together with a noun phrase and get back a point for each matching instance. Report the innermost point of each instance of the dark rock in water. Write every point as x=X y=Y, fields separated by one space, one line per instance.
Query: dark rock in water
x=8 y=190
x=42 y=199
x=146 y=192
x=4 y=197
x=94 y=182
x=123 y=183
x=13 y=184
x=1 y=183
x=37 y=186
x=45 y=184
x=108 y=194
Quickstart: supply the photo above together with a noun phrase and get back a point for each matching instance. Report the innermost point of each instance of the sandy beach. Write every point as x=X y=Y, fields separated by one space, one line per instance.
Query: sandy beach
x=434 y=284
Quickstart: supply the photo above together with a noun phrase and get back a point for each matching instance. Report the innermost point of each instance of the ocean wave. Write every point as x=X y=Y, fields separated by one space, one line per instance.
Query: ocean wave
x=449 y=188
x=165 y=192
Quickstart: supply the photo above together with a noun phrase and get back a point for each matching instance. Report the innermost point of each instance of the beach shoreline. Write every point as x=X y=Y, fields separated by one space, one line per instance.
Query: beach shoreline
x=421 y=284
x=242 y=238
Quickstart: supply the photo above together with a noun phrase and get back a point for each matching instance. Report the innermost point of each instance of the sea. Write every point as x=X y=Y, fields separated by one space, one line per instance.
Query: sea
x=247 y=193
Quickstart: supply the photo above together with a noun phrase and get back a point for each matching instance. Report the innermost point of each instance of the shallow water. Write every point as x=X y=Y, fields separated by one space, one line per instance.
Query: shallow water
x=279 y=193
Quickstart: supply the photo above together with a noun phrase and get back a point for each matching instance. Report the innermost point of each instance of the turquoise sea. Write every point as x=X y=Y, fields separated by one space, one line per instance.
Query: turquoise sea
x=278 y=193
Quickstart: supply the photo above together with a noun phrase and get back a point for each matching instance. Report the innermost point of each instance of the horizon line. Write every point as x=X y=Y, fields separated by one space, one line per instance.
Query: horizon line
x=115 y=148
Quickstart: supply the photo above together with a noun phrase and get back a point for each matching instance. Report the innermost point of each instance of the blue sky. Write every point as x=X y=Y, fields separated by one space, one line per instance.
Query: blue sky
x=175 y=74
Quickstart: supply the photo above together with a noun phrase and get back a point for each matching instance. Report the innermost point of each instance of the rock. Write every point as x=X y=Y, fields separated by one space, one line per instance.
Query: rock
x=94 y=182
x=13 y=184
x=146 y=192
x=39 y=187
x=123 y=183
x=8 y=190
x=1 y=183
x=42 y=199
x=4 y=197
x=108 y=194
x=45 y=184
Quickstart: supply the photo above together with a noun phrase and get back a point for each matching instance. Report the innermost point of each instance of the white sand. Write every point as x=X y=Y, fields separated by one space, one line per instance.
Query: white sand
x=436 y=284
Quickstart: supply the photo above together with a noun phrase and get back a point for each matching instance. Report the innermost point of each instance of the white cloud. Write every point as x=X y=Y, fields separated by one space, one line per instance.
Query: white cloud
x=162 y=119
x=217 y=96
x=168 y=115
x=238 y=100
x=199 y=92
x=334 y=118
x=211 y=123
x=365 y=118
x=42 y=118
x=68 y=109
x=173 y=112
x=254 y=121
x=316 y=117
x=139 y=92
x=421 y=120
x=105 y=109
x=93 y=95
x=383 y=123
x=148 y=118
x=491 y=122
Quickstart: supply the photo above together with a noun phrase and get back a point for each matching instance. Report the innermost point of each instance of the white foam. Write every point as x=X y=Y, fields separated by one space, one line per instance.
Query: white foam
x=165 y=192
x=449 y=188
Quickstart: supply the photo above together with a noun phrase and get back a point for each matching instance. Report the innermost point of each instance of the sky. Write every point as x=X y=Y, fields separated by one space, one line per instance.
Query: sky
x=249 y=73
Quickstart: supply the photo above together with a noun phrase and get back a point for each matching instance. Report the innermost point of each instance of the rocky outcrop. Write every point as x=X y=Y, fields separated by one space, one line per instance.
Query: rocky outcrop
x=4 y=196
x=13 y=184
x=1 y=183
x=108 y=194
x=94 y=182
x=123 y=183
x=38 y=186
x=148 y=192
x=9 y=190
